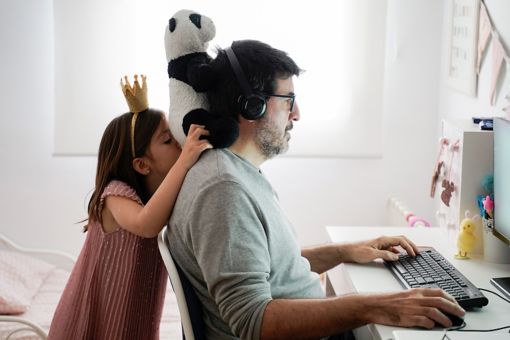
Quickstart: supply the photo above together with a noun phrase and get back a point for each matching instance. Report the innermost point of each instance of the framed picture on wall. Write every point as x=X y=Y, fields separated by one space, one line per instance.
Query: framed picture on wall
x=462 y=48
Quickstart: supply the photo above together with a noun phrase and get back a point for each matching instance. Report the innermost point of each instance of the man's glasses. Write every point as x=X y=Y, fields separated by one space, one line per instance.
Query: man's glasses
x=291 y=98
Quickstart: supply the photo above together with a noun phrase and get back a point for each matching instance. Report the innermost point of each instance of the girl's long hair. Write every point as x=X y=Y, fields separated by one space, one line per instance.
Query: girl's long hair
x=115 y=159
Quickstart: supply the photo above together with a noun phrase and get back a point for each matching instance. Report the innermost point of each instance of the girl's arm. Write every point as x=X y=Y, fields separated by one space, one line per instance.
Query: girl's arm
x=147 y=221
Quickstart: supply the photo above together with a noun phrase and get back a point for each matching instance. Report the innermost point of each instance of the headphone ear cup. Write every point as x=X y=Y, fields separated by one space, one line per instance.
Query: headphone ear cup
x=252 y=107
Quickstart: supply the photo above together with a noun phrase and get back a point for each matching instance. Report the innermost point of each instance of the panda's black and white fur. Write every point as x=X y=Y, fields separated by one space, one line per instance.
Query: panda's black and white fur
x=186 y=39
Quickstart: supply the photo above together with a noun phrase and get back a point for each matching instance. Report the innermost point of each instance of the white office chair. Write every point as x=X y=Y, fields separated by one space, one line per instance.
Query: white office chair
x=187 y=301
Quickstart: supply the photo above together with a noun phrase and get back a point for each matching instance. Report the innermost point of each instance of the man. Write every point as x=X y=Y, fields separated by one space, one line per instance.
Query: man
x=237 y=248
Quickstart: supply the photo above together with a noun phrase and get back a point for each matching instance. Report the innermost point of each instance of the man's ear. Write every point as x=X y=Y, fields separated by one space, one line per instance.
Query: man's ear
x=141 y=166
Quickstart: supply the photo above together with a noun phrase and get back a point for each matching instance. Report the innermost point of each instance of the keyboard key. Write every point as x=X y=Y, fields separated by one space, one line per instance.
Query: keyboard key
x=400 y=268
x=429 y=279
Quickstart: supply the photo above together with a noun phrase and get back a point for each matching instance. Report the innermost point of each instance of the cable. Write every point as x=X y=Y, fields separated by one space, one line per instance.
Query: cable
x=482 y=330
x=451 y=329
x=490 y=291
x=460 y=328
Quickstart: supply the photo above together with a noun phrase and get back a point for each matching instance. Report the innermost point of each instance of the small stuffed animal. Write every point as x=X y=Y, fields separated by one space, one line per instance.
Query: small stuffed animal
x=186 y=40
x=488 y=205
x=446 y=195
x=466 y=239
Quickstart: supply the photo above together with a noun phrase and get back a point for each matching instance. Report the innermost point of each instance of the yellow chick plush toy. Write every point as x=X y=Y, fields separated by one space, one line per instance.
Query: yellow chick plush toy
x=466 y=240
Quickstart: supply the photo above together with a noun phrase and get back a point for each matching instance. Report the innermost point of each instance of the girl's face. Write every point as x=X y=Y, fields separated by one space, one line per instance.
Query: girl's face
x=163 y=151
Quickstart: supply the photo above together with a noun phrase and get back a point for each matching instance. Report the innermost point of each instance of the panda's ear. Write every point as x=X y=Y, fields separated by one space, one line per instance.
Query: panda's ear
x=196 y=20
x=171 y=24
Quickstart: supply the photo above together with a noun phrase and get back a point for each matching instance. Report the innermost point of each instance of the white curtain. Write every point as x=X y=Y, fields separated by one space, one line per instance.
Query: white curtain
x=340 y=44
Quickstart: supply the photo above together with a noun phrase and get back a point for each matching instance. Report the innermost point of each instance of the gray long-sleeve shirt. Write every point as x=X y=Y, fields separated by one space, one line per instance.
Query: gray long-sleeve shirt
x=235 y=245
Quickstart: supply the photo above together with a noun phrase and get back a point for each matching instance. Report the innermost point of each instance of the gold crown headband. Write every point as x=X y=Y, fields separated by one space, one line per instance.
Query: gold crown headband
x=136 y=98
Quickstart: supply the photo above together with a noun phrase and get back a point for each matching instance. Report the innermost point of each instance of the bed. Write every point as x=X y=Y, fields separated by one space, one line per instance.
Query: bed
x=42 y=299
x=38 y=277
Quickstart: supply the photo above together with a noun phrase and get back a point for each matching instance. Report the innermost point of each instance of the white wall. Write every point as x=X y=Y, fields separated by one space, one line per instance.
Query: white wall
x=316 y=192
x=43 y=196
x=455 y=105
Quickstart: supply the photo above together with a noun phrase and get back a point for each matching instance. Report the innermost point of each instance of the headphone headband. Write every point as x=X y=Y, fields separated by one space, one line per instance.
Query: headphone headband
x=238 y=71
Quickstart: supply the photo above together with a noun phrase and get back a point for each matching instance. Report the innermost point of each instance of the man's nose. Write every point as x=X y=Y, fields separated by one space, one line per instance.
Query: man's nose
x=295 y=114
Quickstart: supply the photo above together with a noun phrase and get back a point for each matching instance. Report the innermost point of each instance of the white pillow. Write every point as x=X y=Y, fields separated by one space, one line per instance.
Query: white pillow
x=21 y=276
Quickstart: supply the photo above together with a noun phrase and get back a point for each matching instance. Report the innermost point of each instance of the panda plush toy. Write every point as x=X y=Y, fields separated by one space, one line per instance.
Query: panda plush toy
x=186 y=40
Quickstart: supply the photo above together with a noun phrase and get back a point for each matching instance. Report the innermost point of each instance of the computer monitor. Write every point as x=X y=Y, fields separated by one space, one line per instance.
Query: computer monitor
x=501 y=131
x=502 y=179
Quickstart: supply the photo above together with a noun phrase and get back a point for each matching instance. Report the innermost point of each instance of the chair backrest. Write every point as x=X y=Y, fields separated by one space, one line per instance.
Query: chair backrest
x=190 y=308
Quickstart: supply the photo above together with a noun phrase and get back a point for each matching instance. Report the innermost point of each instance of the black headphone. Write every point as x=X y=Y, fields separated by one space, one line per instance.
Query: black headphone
x=252 y=105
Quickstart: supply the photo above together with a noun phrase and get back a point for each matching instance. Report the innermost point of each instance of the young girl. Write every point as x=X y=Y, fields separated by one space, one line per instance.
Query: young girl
x=117 y=287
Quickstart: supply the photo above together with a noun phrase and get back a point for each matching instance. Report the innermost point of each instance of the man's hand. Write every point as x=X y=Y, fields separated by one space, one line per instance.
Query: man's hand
x=323 y=258
x=382 y=247
x=316 y=318
x=421 y=307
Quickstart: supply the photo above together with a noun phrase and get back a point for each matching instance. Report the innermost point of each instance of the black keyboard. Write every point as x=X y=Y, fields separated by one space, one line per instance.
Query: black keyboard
x=429 y=269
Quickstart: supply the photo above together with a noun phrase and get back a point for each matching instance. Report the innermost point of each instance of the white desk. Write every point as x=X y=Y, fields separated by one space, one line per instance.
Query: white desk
x=375 y=277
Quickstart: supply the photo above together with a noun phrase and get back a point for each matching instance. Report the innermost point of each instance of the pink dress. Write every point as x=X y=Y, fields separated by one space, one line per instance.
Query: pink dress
x=117 y=287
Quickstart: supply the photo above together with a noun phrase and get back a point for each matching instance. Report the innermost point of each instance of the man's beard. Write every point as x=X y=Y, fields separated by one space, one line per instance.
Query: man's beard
x=270 y=139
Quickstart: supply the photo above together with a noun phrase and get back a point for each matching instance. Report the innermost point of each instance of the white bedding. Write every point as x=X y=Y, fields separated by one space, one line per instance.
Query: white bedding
x=42 y=307
x=44 y=303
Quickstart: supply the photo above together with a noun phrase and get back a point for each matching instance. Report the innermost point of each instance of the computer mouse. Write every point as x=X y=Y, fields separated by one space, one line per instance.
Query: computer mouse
x=456 y=320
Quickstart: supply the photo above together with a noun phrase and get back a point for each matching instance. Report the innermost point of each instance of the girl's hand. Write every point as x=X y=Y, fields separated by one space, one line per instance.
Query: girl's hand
x=194 y=146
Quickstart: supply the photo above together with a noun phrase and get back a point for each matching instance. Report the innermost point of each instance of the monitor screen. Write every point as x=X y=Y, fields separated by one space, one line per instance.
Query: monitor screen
x=502 y=176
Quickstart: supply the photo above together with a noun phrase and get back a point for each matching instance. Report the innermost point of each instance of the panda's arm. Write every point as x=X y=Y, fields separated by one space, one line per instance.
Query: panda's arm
x=200 y=74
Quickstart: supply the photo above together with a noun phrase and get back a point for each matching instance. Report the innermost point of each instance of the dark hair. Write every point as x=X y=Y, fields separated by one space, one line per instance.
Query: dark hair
x=261 y=64
x=115 y=158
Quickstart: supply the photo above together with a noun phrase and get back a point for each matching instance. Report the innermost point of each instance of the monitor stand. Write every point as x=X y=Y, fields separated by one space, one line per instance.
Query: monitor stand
x=502 y=284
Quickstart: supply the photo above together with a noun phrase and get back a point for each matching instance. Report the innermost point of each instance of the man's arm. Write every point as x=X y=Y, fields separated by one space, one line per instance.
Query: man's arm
x=305 y=319
x=323 y=258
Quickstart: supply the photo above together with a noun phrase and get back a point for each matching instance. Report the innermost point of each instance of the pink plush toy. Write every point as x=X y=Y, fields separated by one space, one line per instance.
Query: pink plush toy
x=488 y=205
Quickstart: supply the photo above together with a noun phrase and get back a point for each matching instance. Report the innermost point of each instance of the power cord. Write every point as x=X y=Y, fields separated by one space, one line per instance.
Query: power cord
x=451 y=329
x=460 y=328
x=490 y=291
